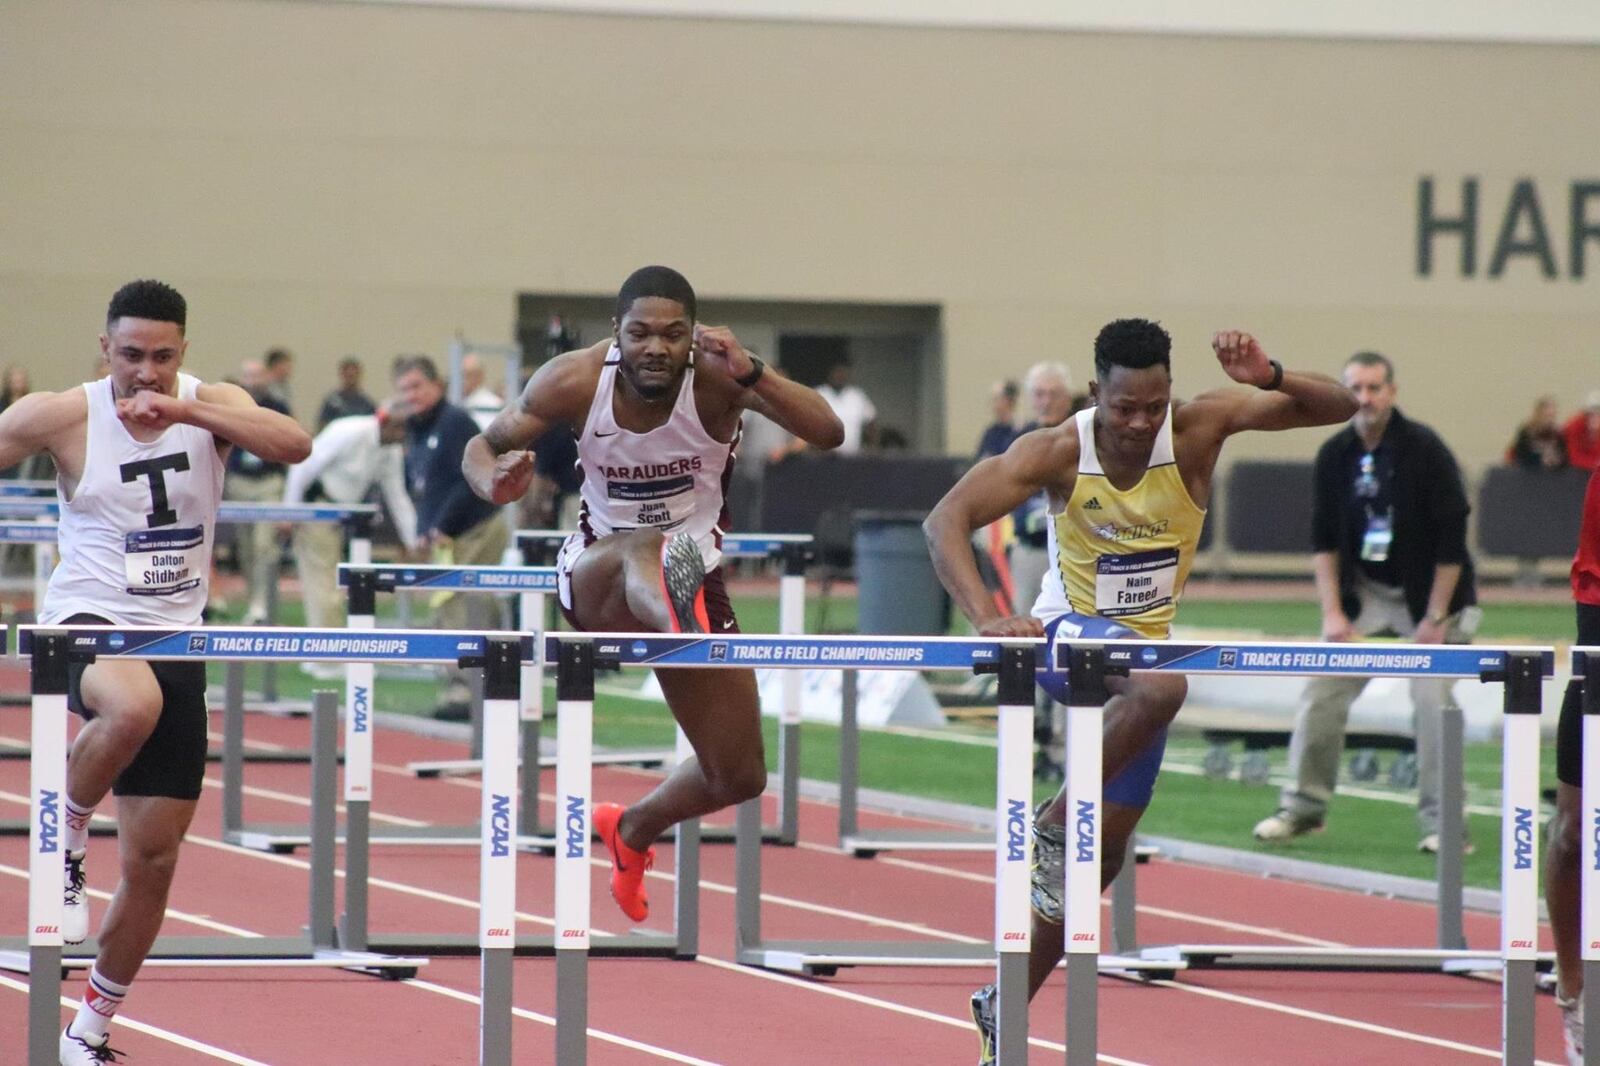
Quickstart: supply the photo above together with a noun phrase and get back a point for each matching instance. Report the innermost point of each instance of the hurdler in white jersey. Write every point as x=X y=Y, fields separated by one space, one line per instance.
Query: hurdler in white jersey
x=137 y=528
x=657 y=411
x=139 y=455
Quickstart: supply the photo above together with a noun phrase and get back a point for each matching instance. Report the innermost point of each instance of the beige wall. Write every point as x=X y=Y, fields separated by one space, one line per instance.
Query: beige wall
x=370 y=178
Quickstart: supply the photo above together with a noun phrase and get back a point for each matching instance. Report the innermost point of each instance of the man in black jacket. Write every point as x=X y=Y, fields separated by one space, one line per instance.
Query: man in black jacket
x=460 y=528
x=1389 y=525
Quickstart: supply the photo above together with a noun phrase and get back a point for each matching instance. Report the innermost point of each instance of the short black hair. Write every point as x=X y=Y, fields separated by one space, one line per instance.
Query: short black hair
x=660 y=281
x=1374 y=359
x=276 y=356
x=350 y=360
x=405 y=364
x=1134 y=343
x=147 y=298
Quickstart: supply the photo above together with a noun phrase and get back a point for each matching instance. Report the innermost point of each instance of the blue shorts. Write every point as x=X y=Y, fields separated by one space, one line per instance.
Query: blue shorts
x=1137 y=781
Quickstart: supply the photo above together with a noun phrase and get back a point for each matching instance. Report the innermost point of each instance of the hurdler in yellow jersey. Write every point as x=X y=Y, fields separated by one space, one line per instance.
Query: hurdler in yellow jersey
x=1125 y=483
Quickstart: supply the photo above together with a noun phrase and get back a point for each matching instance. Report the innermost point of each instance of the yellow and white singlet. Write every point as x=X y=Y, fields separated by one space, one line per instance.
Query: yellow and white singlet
x=1122 y=554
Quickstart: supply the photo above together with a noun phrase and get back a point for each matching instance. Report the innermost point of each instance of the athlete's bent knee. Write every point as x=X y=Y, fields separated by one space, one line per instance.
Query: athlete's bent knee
x=1562 y=847
x=150 y=868
x=739 y=783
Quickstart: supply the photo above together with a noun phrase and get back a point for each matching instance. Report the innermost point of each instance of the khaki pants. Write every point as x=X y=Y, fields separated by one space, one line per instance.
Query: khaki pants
x=482 y=545
x=257 y=543
x=1318 y=740
x=318 y=551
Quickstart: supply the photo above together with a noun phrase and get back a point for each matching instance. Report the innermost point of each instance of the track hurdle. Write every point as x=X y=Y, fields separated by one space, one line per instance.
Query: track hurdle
x=42 y=955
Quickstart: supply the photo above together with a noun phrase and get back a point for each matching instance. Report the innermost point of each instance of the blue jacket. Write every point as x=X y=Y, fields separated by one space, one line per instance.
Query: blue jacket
x=435 y=443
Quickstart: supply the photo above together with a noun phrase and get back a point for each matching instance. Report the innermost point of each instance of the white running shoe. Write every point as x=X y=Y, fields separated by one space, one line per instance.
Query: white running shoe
x=85 y=1051
x=74 y=901
x=1281 y=826
x=1572 y=1027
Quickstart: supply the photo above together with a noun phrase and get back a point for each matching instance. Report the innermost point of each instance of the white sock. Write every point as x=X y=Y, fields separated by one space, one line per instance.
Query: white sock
x=77 y=820
x=100 y=1002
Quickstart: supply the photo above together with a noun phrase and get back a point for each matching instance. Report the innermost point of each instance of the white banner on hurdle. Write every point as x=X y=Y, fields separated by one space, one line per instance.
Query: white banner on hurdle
x=574 y=819
x=497 y=915
x=1083 y=830
x=47 y=844
x=358 y=679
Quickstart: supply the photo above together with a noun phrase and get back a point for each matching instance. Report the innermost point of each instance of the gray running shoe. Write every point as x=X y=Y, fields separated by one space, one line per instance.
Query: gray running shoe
x=983 y=1017
x=1049 y=872
x=682 y=573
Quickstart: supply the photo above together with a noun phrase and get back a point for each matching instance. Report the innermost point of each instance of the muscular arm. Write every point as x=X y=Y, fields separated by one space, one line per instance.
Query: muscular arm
x=34 y=423
x=496 y=463
x=1302 y=399
x=991 y=489
x=797 y=408
x=228 y=413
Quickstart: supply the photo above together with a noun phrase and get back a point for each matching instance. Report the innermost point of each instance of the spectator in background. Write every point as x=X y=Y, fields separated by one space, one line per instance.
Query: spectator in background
x=1582 y=433
x=552 y=501
x=251 y=479
x=279 y=365
x=1539 y=444
x=459 y=527
x=14 y=387
x=347 y=399
x=1003 y=430
x=1389 y=531
x=348 y=457
x=481 y=402
x=850 y=405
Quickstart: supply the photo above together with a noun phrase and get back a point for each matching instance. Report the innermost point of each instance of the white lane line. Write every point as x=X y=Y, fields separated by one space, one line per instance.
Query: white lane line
x=151 y=1030
x=545 y=1019
x=182 y=916
x=301 y=801
x=1337 y=1019
x=896 y=1008
x=1143 y=908
x=725 y=889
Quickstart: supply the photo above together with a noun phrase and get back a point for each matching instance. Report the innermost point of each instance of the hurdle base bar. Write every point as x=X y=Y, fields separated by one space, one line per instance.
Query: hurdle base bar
x=626 y=946
x=1332 y=960
x=866 y=845
x=217 y=952
x=821 y=958
x=285 y=838
x=468 y=767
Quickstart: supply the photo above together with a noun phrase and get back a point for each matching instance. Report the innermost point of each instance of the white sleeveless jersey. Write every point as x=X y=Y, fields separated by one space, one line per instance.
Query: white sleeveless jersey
x=135 y=537
x=673 y=478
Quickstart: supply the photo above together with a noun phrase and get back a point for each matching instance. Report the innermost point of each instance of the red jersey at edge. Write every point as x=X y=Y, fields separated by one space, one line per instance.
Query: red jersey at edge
x=1586 y=564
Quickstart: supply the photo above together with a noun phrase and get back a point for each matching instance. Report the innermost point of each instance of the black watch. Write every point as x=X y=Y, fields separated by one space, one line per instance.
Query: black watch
x=1277 y=376
x=757 y=368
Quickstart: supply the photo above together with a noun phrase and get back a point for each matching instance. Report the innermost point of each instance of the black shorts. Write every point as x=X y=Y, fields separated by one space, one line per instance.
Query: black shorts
x=172 y=762
x=1569 y=728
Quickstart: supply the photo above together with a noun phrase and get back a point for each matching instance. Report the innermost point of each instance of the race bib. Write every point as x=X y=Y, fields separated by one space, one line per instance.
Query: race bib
x=1133 y=584
x=160 y=562
x=664 y=503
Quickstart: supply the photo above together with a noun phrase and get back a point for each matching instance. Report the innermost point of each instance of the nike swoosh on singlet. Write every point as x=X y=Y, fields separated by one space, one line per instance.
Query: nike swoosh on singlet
x=597 y=433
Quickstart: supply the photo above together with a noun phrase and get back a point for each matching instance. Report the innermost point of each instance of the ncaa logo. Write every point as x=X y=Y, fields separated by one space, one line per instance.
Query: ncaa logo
x=1228 y=658
x=197 y=643
x=719 y=651
x=469 y=579
x=639 y=647
x=116 y=641
x=1148 y=655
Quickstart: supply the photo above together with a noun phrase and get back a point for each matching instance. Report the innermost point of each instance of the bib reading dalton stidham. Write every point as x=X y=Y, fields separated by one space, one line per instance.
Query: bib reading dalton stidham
x=1123 y=555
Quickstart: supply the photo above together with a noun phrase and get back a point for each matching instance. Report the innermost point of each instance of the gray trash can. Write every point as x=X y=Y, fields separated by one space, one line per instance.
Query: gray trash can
x=899 y=593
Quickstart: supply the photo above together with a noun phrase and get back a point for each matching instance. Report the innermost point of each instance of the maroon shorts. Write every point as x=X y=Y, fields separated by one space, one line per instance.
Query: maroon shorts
x=719 y=610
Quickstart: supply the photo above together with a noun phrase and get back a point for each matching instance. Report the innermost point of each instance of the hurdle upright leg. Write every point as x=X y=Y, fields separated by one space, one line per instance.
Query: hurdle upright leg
x=1452 y=828
x=1013 y=829
x=1590 y=868
x=497 y=913
x=791 y=619
x=1519 y=853
x=574 y=786
x=361 y=613
x=47 y=858
x=1086 y=683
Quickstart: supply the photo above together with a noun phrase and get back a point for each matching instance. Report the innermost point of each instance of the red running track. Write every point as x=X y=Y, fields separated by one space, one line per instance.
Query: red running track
x=712 y=1010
